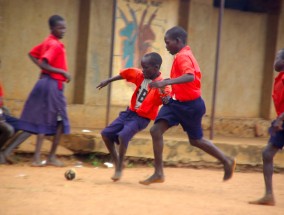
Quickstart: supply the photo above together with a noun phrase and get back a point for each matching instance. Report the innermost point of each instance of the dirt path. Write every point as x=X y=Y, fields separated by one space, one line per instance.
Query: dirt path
x=44 y=191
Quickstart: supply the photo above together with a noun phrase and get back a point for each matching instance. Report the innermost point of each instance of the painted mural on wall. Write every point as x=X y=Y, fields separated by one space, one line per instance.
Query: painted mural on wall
x=140 y=29
x=140 y=25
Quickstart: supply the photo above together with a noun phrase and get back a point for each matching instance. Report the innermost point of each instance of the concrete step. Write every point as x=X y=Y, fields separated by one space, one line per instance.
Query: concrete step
x=177 y=149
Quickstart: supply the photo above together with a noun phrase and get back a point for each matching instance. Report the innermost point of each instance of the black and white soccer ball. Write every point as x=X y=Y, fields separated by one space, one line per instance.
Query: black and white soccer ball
x=70 y=174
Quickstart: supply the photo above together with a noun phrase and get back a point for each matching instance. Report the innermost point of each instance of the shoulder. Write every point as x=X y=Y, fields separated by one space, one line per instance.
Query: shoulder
x=131 y=73
x=53 y=41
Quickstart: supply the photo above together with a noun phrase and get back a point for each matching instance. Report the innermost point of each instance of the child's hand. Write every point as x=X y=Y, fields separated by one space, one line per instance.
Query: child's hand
x=164 y=96
x=276 y=126
x=157 y=84
x=67 y=76
x=103 y=84
x=166 y=100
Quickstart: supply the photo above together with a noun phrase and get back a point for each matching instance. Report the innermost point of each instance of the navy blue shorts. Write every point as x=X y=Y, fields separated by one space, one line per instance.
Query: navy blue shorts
x=188 y=114
x=277 y=139
x=125 y=126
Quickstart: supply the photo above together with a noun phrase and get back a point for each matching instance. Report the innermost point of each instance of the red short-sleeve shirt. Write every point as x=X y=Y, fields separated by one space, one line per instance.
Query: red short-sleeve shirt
x=150 y=105
x=53 y=51
x=185 y=62
x=1 y=90
x=278 y=93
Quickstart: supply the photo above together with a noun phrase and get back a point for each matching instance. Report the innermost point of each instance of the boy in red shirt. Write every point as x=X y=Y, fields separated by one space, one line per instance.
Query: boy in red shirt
x=143 y=107
x=45 y=111
x=276 y=141
x=186 y=106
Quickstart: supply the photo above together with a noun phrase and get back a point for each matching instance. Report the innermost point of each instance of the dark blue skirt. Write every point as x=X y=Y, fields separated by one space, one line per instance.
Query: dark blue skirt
x=45 y=106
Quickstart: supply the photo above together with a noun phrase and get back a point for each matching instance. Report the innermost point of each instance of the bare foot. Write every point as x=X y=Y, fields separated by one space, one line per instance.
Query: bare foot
x=229 y=169
x=2 y=158
x=153 y=179
x=37 y=164
x=55 y=162
x=117 y=175
x=266 y=200
x=10 y=159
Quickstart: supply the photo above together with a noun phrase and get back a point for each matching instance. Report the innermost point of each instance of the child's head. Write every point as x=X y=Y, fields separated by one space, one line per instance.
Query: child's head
x=151 y=64
x=279 y=61
x=57 y=26
x=175 y=39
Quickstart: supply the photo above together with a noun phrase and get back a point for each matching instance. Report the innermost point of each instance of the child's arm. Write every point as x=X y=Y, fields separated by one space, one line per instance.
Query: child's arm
x=109 y=80
x=34 y=60
x=46 y=66
x=170 y=81
x=279 y=121
x=277 y=124
x=165 y=94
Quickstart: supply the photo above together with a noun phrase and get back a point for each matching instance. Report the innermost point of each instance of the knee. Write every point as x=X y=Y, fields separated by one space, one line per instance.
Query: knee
x=155 y=131
x=123 y=140
x=7 y=129
x=104 y=137
x=195 y=143
x=266 y=156
x=11 y=131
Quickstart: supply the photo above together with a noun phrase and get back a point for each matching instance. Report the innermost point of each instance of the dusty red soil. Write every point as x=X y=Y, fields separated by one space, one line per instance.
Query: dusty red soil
x=45 y=191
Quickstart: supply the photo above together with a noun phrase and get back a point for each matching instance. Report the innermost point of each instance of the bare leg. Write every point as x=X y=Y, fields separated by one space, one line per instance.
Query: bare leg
x=6 y=132
x=111 y=148
x=14 y=142
x=2 y=158
x=267 y=157
x=36 y=160
x=157 y=132
x=210 y=148
x=119 y=166
x=52 y=159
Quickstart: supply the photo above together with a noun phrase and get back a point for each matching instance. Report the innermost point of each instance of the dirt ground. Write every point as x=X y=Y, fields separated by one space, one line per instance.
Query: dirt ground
x=44 y=191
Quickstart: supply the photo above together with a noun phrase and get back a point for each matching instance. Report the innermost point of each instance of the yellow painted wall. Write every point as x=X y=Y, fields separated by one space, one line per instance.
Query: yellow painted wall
x=241 y=57
x=24 y=24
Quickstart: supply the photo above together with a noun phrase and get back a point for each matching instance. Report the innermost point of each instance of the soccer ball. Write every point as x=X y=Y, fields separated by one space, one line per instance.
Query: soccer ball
x=70 y=174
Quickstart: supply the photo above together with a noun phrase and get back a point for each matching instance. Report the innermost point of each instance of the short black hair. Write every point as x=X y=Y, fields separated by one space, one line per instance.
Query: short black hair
x=54 y=19
x=177 y=32
x=154 y=58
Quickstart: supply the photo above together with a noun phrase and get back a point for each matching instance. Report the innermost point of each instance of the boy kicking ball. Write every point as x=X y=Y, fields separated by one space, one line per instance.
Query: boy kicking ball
x=186 y=107
x=143 y=107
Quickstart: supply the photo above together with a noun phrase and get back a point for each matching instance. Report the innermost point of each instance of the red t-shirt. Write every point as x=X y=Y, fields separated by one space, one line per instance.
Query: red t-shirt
x=278 y=93
x=53 y=51
x=1 y=90
x=150 y=105
x=185 y=63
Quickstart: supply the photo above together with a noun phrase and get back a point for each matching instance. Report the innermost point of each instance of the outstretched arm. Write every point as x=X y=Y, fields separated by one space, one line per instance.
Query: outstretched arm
x=170 y=81
x=109 y=80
